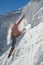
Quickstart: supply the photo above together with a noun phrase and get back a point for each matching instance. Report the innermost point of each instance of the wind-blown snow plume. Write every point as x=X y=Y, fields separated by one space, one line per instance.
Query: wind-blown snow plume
x=9 y=35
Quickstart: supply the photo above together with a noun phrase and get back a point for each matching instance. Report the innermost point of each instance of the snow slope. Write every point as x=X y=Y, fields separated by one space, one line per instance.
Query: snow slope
x=8 y=19
x=29 y=46
x=29 y=49
x=31 y=9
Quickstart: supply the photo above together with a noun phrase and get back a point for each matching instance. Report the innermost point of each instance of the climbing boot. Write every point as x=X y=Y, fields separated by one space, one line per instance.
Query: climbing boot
x=10 y=53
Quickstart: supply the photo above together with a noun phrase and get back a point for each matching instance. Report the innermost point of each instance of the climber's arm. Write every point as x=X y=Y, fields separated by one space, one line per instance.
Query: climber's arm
x=24 y=30
x=21 y=20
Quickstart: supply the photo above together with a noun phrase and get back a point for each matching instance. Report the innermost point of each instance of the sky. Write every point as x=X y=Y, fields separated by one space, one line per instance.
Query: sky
x=11 y=5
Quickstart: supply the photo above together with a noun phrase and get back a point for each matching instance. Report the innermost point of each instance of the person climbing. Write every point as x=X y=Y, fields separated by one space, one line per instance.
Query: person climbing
x=14 y=34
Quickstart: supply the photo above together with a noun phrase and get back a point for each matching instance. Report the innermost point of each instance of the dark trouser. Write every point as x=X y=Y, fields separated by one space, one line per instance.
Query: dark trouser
x=13 y=41
x=13 y=45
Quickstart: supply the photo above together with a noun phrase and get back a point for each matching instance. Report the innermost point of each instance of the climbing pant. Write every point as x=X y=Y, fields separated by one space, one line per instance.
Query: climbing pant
x=13 y=45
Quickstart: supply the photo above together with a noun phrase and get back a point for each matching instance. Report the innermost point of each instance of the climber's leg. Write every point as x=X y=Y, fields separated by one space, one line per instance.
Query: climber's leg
x=13 y=46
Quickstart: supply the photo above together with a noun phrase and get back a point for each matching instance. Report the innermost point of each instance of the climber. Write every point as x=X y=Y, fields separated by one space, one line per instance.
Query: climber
x=14 y=34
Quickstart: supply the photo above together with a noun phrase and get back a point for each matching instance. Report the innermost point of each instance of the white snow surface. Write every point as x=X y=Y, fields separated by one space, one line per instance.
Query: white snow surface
x=29 y=50
x=26 y=51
